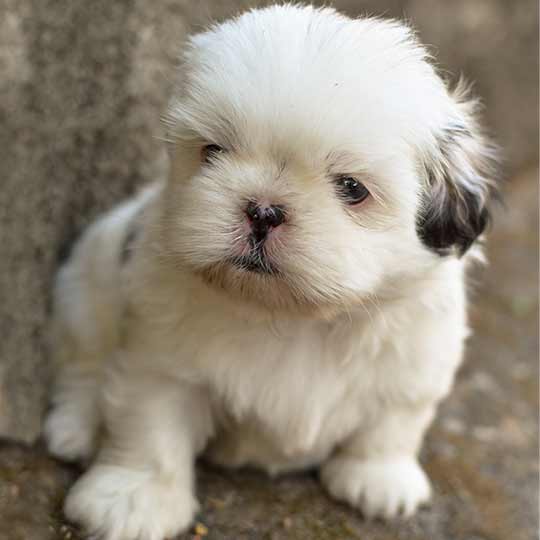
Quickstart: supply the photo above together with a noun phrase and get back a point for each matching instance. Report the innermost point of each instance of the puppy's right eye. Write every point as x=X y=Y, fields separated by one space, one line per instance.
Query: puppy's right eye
x=210 y=151
x=351 y=190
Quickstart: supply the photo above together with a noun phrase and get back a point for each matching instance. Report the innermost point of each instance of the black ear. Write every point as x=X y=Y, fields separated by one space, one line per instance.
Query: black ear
x=459 y=172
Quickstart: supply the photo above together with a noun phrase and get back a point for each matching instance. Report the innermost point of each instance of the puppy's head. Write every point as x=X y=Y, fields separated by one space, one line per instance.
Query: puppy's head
x=317 y=159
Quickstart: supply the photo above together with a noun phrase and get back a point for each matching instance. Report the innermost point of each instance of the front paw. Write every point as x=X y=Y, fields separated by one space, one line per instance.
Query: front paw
x=115 y=503
x=379 y=488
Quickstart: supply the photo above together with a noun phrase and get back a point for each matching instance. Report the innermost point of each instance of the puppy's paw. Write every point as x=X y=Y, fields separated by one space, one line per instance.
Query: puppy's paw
x=383 y=488
x=69 y=434
x=115 y=503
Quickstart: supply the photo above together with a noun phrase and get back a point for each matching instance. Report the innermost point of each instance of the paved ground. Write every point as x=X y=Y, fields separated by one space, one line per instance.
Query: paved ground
x=481 y=453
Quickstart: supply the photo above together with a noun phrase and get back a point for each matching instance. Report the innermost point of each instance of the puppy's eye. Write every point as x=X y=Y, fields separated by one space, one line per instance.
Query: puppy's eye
x=210 y=151
x=350 y=190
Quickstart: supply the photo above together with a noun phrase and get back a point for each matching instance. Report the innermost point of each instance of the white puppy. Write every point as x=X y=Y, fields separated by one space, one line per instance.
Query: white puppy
x=293 y=295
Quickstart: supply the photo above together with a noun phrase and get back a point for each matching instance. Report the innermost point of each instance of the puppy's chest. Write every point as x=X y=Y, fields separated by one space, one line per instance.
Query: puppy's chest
x=296 y=387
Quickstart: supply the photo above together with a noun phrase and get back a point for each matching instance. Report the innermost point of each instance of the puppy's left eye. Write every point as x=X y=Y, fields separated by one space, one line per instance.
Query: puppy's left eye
x=210 y=151
x=350 y=190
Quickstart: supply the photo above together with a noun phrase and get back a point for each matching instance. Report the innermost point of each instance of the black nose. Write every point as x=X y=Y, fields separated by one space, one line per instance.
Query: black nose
x=264 y=218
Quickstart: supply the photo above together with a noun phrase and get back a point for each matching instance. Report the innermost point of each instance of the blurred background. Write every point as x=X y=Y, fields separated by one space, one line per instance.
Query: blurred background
x=82 y=86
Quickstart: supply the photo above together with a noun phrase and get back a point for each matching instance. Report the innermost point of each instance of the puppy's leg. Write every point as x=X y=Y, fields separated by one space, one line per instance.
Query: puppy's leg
x=141 y=485
x=72 y=425
x=377 y=471
x=73 y=421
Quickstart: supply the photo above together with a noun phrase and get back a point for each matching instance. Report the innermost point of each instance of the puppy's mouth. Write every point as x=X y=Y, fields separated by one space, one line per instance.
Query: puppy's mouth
x=255 y=261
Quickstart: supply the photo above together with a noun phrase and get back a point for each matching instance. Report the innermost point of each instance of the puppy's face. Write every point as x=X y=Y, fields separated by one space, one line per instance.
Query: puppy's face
x=313 y=160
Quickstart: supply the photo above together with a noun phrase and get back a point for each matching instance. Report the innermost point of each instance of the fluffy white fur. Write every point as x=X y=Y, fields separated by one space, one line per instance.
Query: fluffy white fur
x=340 y=359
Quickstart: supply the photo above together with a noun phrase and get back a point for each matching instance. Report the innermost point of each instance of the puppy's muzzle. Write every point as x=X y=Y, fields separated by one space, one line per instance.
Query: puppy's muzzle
x=262 y=219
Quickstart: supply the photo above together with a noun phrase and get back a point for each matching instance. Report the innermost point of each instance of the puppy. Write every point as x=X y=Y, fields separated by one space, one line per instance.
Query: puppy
x=293 y=295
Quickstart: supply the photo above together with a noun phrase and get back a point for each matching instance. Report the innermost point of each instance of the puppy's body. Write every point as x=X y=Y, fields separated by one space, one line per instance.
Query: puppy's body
x=334 y=350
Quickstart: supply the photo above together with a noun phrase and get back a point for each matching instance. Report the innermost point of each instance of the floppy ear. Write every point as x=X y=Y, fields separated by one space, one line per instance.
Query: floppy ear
x=459 y=181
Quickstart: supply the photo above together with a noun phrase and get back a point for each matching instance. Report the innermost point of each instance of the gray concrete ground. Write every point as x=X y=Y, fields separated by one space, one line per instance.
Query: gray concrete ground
x=82 y=85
